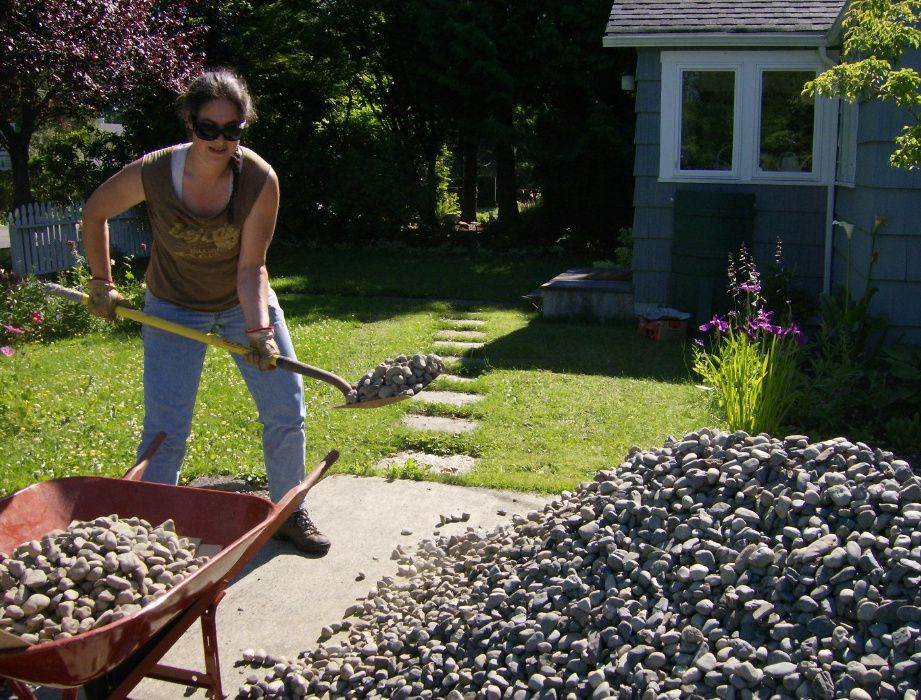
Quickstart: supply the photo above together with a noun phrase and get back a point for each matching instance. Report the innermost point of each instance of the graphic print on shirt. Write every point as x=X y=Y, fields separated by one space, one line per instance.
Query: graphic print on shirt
x=203 y=243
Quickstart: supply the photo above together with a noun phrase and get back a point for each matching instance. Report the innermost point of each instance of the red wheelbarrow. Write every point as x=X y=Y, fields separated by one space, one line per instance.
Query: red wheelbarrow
x=110 y=661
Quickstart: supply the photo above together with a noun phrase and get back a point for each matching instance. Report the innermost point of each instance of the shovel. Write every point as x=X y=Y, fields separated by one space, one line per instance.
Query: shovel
x=238 y=349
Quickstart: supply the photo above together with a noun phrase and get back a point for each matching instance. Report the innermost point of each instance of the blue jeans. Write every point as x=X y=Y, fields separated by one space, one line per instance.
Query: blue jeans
x=172 y=371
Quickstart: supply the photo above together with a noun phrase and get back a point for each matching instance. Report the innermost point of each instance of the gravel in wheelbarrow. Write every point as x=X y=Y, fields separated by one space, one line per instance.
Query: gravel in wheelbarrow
x=235 y=524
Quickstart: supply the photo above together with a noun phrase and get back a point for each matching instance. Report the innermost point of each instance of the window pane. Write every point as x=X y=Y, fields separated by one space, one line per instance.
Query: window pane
x=786 y=122
x=707 y=104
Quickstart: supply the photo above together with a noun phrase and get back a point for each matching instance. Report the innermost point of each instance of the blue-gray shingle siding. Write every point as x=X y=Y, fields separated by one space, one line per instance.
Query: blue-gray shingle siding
x=795 y=214
x=882 y=190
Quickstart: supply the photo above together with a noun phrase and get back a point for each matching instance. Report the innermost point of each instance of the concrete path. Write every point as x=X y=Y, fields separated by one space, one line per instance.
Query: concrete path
x=283 y=599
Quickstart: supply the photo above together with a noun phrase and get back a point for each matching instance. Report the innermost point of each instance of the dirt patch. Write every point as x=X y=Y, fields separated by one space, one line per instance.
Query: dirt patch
x=438 y=464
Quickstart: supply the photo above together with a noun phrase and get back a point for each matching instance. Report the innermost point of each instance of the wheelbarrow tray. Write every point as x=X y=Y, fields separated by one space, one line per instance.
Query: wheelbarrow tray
x=238 y=523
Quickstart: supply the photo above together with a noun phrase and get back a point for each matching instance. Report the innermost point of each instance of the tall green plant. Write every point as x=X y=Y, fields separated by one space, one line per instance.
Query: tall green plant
x=751 y=361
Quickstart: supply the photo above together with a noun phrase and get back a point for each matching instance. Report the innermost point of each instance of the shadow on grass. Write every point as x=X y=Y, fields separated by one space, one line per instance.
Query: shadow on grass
x=585 y=347
x=365 y=309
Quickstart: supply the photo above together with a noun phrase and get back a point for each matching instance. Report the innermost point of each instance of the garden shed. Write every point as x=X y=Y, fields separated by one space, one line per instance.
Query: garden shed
x=728 y=151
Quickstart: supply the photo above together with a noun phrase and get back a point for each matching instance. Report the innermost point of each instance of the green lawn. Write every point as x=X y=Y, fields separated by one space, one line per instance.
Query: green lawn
x=562 y=400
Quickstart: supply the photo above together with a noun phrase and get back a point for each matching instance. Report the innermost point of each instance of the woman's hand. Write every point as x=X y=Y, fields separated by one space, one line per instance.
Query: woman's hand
x=103 y=298
x=262 y=340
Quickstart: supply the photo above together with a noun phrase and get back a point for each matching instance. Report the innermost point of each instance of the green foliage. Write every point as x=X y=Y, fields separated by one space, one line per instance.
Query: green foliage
x=752 y=364
x=847 y=324
x=877 y=33
x=755 y=382
x=29 y=314
x=409 y=470
x=623 y=253
x=904 y=364
x=67 y=164
x=846 y=391
x=6 y=194
x=781 y=293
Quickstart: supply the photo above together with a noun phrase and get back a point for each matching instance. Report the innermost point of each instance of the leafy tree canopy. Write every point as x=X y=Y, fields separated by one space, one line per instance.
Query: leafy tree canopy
x=69 y=58
x=877 y=34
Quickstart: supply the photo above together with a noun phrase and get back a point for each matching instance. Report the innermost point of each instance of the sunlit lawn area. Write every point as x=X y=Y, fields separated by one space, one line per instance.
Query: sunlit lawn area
x=562 y=400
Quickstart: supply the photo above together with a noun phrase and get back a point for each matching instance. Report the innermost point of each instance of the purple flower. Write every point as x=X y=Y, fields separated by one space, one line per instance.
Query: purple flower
x=7 y=350
x=716 y=323
x=698 y=342
x=798 y=335
x=749 y=287
x=13 y=329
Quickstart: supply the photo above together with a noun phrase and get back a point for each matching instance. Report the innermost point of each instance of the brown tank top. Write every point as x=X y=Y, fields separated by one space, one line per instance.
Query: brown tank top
x=193 y=259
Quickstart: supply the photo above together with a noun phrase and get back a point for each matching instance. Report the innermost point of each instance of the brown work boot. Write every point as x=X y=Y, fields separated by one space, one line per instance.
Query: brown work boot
x=303 y=534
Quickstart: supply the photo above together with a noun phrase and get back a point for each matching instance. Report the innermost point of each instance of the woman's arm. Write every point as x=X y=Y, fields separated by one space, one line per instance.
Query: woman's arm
x=117 y=194
x=252 y=276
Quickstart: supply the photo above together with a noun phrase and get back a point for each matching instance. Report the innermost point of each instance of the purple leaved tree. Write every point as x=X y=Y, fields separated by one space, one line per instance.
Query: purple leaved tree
x=66 y=59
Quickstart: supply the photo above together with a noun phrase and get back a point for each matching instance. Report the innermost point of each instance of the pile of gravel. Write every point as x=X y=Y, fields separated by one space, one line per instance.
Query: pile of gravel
x=397 y=376
x=722 y=565
x=93 y=573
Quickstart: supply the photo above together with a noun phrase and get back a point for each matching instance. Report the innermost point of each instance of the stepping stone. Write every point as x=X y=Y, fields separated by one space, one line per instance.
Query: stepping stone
x=460 y=335
x=457 y=344
x=452 y=398
x=438 y=424
x=438 y=464
x=464 y=321
x=462 y=360
x=454 y=377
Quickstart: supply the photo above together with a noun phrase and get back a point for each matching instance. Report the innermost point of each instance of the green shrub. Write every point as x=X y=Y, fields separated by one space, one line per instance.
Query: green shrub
x=29 y=314
x=752 y=362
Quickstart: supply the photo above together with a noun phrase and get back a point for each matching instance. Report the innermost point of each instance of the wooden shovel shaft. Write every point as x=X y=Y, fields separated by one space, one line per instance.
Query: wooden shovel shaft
x=207 y=338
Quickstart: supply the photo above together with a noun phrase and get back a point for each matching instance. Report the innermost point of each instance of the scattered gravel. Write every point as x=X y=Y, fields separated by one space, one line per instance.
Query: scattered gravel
x=722 y=565
x=93 y=573
x=395 y=377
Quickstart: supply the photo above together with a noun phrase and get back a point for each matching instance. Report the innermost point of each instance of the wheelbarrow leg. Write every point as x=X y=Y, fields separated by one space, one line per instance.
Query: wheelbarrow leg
x=22 y=691
x=123 y=679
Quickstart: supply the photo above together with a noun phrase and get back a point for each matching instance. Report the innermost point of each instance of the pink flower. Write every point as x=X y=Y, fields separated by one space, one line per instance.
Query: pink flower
x=71 y=245
x=37 y=318
x=7 y=350
x=143 y=246
x=13 y=329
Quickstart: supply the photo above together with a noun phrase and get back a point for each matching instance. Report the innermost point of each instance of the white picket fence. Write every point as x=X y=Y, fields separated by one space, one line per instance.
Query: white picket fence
x=40 y=235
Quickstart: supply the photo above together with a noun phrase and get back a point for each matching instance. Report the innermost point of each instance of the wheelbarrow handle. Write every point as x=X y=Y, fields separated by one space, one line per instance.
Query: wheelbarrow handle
x=283 y=510
x=281 y=361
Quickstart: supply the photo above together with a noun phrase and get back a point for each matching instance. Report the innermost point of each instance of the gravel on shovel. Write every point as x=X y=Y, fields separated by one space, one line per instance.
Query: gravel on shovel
x=719 y=566
x=399 y=376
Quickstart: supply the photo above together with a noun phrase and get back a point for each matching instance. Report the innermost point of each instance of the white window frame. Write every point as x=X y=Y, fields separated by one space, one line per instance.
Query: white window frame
x=748 y=66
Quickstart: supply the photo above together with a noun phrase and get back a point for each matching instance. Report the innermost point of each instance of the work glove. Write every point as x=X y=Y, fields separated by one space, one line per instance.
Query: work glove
x=263 y=350
x=103 y=298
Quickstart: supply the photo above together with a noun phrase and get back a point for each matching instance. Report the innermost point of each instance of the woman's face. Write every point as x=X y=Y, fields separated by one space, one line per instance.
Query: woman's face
x=216 y=118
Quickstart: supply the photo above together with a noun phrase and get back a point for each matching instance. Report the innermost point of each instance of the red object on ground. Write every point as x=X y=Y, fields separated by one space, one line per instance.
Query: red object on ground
x=119 y=655
x=663 y=329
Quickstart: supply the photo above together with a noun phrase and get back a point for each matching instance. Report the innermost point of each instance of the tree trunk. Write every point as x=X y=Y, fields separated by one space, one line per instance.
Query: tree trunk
x=18 y=145
x=469 y=154
x=506 y=189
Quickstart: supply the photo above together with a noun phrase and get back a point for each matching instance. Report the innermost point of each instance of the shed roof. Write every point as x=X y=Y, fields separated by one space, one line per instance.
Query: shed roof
x=643 y=22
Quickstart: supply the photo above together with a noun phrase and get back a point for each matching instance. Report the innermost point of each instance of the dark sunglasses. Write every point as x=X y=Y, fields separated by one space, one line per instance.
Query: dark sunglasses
x=208 y=131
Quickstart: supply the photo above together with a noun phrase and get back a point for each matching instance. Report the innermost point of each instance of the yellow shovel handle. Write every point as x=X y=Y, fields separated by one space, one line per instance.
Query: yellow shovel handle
x=206 y=338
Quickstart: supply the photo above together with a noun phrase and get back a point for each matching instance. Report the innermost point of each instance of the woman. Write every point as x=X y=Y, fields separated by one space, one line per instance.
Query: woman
x=212 y=205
